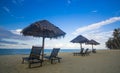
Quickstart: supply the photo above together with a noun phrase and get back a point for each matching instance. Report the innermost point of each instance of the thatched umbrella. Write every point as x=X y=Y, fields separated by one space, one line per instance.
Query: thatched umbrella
x=80 y=39
x=43 y=29
x=92 y=42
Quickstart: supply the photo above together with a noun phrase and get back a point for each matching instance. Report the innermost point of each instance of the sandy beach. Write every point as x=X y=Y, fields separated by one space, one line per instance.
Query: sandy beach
x=107 y=61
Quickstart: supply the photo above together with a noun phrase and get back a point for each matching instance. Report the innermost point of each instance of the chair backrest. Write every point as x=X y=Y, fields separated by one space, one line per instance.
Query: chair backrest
x=94 y=50
x=86 y=50
x=82 y=49
x=54 y=52
x=35 y=52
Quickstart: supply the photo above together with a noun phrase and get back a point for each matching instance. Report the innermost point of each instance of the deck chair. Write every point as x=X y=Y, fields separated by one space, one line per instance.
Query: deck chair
x=54 y=55
x=78 y=53
x=34 y=56
x=86 y=52
x=93 y=50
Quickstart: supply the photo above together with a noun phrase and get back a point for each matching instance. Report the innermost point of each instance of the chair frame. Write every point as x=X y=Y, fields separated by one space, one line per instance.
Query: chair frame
x=54 y=55
x=78 y=53
x=34 y=56
x=93 y=50
x=86 y=53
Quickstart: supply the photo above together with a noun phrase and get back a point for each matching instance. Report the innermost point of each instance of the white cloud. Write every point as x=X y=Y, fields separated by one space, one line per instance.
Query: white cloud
x=92 y=31
x=18 y=2
x=99 y=36
x=8 y=37
x=69 y=1
x=64 y=43
x=6 y=9
x=94 y=11
x=14 y=1
x=17 y=31
x=17 y=16
x=96 y=25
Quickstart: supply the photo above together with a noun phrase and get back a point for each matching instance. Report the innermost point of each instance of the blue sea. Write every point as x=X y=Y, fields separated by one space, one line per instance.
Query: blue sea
x=27 y=51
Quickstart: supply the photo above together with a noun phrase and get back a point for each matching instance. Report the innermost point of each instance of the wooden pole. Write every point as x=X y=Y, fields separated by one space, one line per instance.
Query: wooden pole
x=92 y=46
x=43 y=41
x=80 y=46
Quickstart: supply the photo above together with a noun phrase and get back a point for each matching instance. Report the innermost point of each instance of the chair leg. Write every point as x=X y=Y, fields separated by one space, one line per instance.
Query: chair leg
x=59 y=60
x=29 y=65
x=41 y=63
x=51 y=61
x=23 y=61
x=30 y=62
x=73 y=54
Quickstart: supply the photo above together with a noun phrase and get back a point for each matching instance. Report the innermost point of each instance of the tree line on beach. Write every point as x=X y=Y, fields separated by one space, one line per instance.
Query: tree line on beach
x=114 y=41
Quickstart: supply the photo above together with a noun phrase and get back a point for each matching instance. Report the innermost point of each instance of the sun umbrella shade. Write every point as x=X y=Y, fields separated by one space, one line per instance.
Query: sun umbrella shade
x=43 y=28
x=93 y=42
x=80 y=39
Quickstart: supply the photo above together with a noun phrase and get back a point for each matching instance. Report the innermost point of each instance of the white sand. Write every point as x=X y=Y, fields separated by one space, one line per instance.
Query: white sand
x=107 y=61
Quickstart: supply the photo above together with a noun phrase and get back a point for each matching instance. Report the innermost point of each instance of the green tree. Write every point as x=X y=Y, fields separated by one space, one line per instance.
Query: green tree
x=114 y=43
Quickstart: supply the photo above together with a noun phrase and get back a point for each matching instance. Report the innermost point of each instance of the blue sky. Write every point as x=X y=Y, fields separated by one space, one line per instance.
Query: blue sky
x=94 y=19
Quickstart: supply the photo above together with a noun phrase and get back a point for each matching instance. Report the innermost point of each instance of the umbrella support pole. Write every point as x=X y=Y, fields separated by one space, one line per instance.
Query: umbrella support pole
x=92 y=46
x=81 y=45
x=43 y=41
